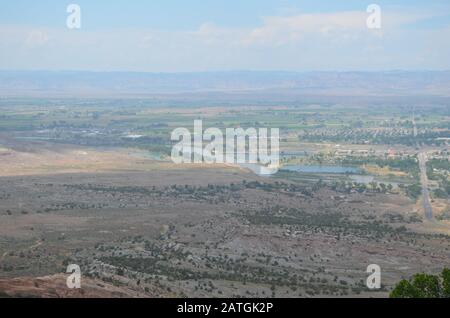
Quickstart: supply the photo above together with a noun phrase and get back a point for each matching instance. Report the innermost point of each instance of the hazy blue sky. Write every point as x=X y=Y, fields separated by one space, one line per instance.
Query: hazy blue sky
x=208 y=35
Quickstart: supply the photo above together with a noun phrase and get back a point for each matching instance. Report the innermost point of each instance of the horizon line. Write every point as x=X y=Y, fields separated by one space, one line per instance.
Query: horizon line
x=225 y=71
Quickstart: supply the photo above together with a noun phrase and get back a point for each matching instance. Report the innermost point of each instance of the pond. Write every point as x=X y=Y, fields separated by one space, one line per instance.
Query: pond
x=323 y=169
x=157 y=156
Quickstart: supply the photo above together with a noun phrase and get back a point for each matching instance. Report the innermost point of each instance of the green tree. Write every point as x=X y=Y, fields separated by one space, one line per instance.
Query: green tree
x=404 y=289
x=424 y=286
x=390 y=187
x=446 y=282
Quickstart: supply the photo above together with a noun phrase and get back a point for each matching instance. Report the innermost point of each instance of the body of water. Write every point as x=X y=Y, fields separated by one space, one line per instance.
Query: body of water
x=157 y=156
x=366 y=179
x=322 y=169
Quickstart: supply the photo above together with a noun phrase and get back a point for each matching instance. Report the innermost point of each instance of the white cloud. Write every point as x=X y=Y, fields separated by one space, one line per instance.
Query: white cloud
x=338 y=40
x=276 y=31
x=36 y=38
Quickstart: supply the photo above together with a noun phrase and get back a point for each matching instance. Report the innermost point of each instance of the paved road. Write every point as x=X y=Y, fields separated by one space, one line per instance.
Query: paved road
x=428 y=209
x=424 y=181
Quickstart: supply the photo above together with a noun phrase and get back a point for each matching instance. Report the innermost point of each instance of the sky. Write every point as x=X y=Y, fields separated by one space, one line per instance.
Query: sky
x=224 y=35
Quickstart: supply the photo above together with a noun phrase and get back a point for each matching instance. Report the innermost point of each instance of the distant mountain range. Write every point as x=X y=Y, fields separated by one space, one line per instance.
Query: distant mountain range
x=110 y=84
